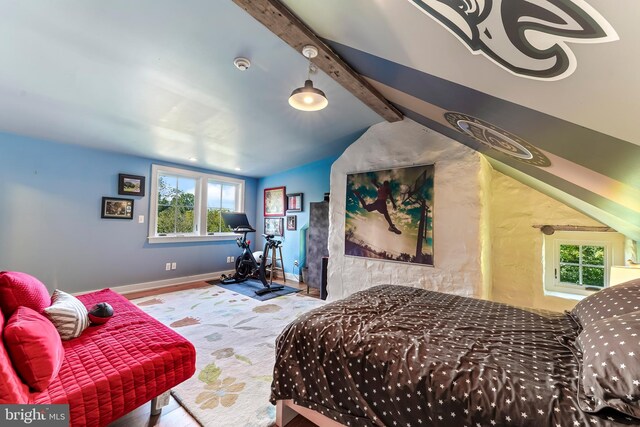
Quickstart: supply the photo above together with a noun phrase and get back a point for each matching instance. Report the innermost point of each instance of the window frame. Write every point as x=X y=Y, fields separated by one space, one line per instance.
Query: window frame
x=614 y=255
x=200 y=208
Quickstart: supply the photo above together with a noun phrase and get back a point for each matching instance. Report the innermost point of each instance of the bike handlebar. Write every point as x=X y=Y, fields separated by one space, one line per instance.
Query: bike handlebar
x=271 y=242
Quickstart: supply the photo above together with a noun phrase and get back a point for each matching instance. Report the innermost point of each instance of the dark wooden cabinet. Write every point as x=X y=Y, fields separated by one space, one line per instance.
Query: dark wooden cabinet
x=317 y=244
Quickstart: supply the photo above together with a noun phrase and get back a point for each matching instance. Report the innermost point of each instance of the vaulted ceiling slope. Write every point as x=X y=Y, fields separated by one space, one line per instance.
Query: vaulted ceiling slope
x=548 y=89
x=155 y=78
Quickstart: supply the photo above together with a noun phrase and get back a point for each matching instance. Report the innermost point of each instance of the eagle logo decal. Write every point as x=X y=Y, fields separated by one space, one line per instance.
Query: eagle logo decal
x=499 y=139
x=526 y=37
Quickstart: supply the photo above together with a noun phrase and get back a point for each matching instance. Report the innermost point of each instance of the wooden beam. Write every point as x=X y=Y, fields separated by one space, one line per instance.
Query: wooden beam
x=594 y=228
x=283 y=23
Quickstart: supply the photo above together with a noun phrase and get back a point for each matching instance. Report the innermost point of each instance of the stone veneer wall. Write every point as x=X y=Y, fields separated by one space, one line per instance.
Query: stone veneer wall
x=460 y=223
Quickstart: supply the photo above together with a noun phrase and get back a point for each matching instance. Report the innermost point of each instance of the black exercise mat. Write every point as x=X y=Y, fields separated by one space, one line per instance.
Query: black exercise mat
x=250 y=287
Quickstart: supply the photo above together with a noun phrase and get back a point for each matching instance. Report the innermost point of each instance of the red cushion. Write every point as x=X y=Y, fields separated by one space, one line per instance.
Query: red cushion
x=34 y=346
x=12 y=390
x=18 y=289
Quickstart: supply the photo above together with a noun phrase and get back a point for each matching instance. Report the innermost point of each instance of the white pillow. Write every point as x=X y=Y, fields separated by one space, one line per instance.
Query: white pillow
x=68 y=315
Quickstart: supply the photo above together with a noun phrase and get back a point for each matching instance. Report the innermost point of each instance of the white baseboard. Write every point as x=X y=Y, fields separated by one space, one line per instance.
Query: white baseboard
x=157 y=284
x=293 y=277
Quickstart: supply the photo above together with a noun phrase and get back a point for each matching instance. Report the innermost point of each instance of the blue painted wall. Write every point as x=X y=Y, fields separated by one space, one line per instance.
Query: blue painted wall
x=313 y=181
x=50 y=225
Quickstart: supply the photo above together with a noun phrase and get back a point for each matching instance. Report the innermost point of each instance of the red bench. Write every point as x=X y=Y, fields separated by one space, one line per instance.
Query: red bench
x=113 y=368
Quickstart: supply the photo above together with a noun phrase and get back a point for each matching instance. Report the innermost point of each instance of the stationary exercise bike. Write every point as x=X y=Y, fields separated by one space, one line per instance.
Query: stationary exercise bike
x=246 y=265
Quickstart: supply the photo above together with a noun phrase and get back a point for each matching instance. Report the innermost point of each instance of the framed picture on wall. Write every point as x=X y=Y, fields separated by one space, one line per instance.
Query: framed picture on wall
x=116 y=208
x=292 y=222
x=130 y=185
x=294 y=202
x=389 y=215
x=274 y=226
x=274 y=201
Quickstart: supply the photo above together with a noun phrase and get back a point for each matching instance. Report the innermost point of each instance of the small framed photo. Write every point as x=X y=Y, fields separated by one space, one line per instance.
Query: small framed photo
x=130 y=185
x=294 y=202
x=274 y=201
x=116 y=208
x=292 y=222
x=274 y=226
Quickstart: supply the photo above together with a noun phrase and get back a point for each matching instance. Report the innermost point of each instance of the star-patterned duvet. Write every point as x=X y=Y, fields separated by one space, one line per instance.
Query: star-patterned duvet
x=399 y=356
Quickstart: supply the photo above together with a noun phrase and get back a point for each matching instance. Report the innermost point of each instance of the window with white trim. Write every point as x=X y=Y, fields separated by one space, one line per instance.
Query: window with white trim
x=187 y=205
x=577 y=263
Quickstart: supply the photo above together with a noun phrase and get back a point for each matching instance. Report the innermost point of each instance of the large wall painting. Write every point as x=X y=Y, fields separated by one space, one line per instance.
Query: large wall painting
x=389 y=215
x=525 y=38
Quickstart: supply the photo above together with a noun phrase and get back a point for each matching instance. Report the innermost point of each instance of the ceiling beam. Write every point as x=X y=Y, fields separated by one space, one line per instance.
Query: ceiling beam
x=283 y=23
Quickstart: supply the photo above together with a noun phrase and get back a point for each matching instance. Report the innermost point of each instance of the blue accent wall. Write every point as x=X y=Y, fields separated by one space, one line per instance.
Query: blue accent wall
x=50 y=225
x=313 y=180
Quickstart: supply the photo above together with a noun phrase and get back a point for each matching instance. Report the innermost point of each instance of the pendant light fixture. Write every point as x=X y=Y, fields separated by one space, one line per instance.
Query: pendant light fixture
x=308 y=98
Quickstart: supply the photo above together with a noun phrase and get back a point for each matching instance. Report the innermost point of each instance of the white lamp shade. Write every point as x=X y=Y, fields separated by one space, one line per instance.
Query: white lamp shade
x=622 y=274
x=308 y=98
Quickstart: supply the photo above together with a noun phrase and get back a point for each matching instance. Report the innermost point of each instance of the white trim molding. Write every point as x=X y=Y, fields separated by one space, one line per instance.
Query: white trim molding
x=188 y=238
x=613 y=244
x=159 y=284
x=202 y=179
x=292 y=277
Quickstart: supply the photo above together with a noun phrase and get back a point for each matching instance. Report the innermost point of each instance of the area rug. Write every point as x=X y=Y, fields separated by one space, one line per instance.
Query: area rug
x=234 y=337
x=249 y=288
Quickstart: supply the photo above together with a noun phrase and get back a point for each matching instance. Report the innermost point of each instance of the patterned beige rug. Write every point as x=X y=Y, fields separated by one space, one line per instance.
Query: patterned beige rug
x=234 y=338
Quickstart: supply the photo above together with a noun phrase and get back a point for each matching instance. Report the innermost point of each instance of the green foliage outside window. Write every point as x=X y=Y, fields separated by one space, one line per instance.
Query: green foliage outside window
x=582 y=265
x=176 y=211
x=570 y=274
x=570 y=253
x=215 y=223
x=593 y=276
x=593 y=255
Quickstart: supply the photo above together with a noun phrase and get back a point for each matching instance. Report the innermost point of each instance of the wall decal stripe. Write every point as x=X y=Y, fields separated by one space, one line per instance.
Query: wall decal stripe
x=586 y=208
x=571 y=172
x=602 y=153
x=624 y=214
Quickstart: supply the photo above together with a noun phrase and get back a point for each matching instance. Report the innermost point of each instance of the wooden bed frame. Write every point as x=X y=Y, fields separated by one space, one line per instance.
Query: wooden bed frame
x=286 y=411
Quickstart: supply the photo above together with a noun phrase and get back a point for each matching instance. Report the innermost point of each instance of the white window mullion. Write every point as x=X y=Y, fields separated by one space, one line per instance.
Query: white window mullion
x=580 y=281
x=203 y=211
x=612 y=244
x=175 y=210
x=199 y=230
x=220 y=207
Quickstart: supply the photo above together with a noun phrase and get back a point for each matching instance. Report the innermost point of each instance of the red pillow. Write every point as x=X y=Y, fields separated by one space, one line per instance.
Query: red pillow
x=18 y=289
x=34 y=346
x=12 y=390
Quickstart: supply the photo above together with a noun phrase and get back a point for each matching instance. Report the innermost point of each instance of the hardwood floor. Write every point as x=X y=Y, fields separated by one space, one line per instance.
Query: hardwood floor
x=166 y=290
x=174 y=415
x=312 y=292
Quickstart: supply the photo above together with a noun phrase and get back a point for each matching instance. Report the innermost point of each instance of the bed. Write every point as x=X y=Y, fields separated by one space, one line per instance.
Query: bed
x=399 y=356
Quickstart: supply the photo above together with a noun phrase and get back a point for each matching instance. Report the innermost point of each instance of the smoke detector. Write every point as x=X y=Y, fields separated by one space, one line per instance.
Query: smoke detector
x=242 y=64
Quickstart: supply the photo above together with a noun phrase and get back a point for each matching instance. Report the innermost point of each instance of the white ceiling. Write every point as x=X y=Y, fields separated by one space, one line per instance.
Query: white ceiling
x=602 y=94
x=155 y=78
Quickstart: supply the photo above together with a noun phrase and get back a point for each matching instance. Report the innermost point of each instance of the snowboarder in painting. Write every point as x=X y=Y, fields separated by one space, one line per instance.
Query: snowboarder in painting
x=369 y=220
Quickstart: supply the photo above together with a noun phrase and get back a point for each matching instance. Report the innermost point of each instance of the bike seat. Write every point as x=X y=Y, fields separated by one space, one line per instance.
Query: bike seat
x=268 y=236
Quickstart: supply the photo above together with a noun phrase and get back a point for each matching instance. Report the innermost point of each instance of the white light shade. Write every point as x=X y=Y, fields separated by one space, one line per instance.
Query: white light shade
x=620 y=274
x=308 y=98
